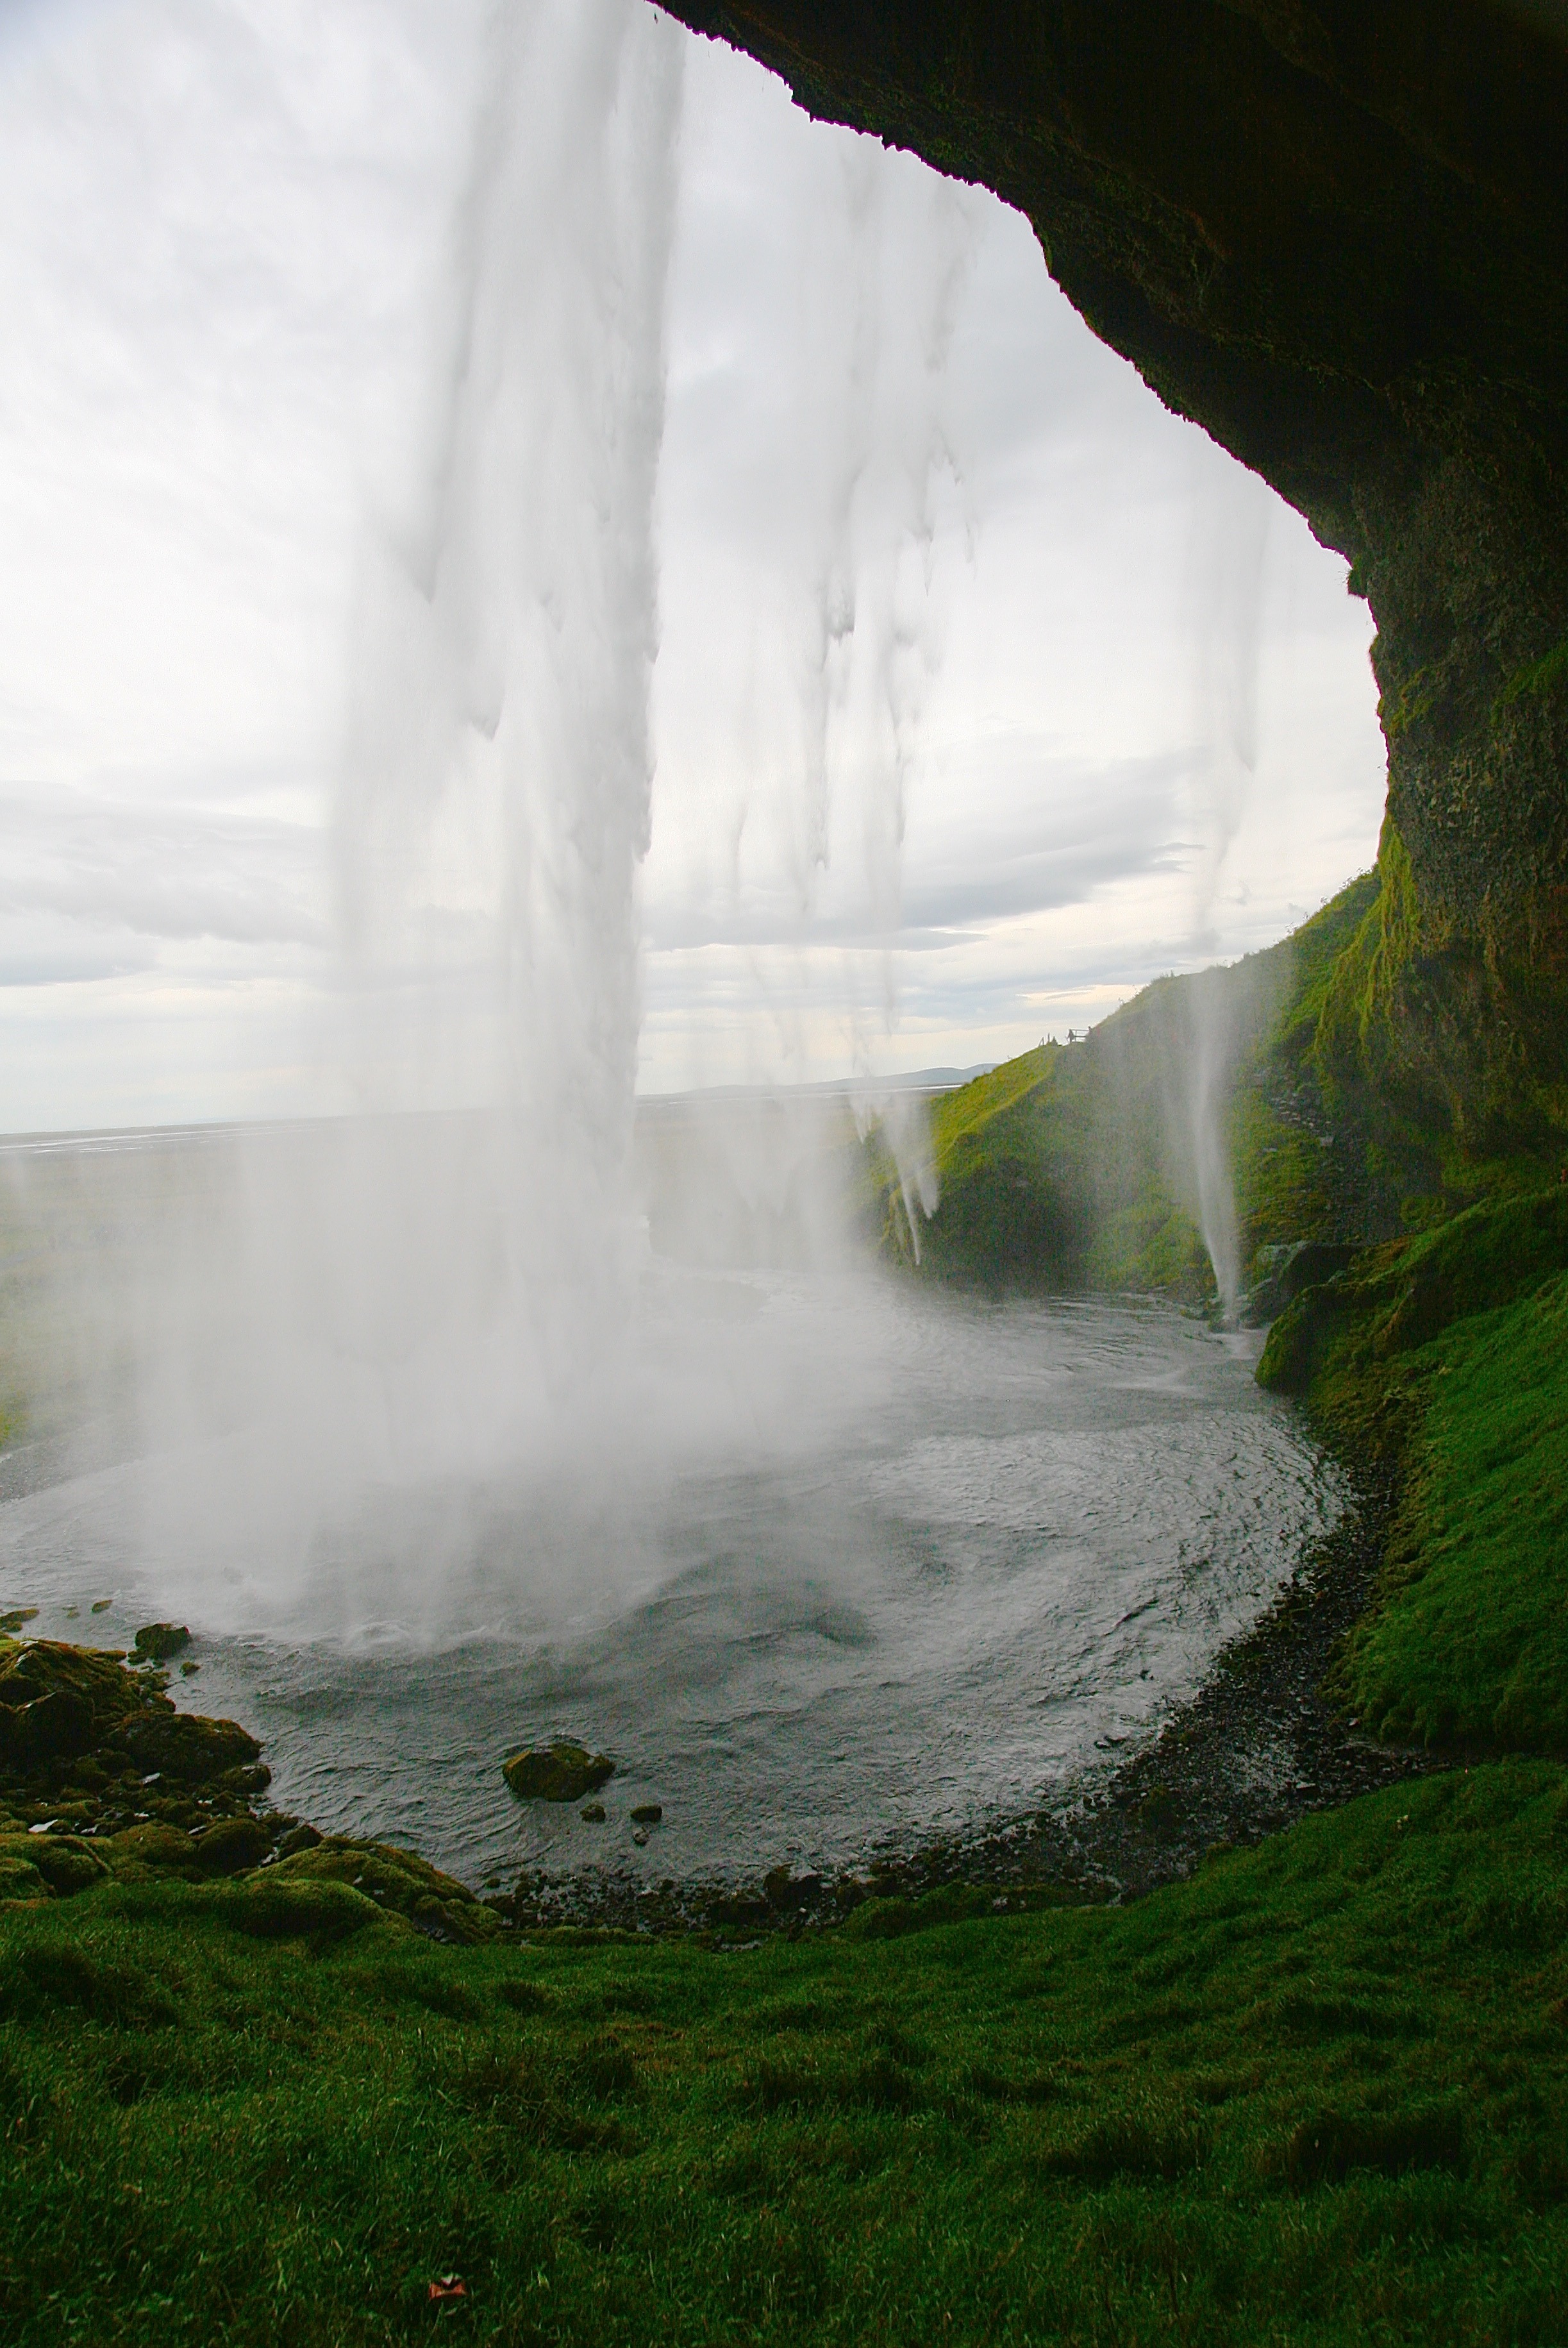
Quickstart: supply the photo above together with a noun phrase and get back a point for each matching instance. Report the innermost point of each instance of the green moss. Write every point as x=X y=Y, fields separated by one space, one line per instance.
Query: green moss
x=1536 y=679
x=1357 y=993
x=1319 y=2095
x=1342 y=1345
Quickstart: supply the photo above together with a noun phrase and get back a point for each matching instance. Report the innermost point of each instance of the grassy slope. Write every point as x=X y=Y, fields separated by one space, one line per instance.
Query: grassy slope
x=1401 y=1359
x=1318 y=2094
x=1470 y=1642
x=1071 y=1167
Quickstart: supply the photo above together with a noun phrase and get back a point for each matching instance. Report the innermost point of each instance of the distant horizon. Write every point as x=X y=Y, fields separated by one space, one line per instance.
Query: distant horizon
x=907 y=1080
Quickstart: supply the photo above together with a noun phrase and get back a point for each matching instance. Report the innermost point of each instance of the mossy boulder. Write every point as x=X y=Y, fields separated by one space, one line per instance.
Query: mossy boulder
x=64 y=1862
x=273 y=1906
x=560 y=1772
x=57 y=1701
x=152 y=1846
x=184 y=1745
x=19 y=1879
x=398 y=1882
x=233 y=1846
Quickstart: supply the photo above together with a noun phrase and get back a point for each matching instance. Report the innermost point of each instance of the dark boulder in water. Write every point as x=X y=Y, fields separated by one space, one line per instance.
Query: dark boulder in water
x=156 y=1642
x=557 y=1773
x=646 y=1814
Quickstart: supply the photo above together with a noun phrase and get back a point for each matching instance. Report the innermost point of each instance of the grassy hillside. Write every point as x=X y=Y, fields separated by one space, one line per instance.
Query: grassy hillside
x=1377 y=1072
x=1075 y=1166
x=1444 y=1357
x=1471 y=1642
x=1318 y=2094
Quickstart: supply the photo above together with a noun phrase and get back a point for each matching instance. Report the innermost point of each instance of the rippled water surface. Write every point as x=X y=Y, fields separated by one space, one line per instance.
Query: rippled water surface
x=843 y=1565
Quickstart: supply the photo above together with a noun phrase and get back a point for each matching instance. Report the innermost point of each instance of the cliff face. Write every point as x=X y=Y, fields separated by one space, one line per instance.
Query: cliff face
x=1337 y=236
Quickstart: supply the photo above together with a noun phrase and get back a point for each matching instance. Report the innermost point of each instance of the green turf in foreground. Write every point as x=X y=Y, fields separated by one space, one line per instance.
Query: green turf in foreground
x=1317 y=2094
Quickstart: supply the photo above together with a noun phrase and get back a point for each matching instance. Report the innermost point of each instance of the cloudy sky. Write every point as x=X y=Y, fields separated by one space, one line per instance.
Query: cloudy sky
x=1113 y=696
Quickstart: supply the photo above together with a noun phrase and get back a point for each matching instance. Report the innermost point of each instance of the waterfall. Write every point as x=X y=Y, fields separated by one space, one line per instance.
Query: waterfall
x=495 y=799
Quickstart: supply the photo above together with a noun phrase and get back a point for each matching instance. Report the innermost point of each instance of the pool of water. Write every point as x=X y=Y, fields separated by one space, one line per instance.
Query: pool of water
x=827 y=1565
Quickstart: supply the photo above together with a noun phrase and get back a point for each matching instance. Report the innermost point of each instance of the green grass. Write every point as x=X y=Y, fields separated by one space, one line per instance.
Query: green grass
x=1471 y=1644
x=1445 y=1357
x=1318 y=2094
x=1350 y=1344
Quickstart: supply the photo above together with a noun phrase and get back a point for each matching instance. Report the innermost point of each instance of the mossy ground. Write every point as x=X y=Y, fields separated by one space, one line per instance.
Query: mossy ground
x=1319 y=2092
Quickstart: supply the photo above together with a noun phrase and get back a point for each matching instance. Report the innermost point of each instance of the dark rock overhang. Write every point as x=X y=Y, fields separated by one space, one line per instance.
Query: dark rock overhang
x=1335 y=235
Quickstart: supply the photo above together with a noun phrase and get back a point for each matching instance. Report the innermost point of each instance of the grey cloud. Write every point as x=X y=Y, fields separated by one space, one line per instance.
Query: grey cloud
x=164 y=873
x=1050 y=834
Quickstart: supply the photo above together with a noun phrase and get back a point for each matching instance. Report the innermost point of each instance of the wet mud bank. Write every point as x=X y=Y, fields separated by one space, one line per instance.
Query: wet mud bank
x=1260 y=1744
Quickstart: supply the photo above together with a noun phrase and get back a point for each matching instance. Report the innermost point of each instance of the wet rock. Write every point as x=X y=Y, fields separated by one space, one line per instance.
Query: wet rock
x=17 y=1616
x=233 y=1846
x=1286 y=1273
x=560 y=1772
x=646 y=1814
x=782 y=1891
x=594 y=1815
x=156 y=1642
x=731 y=1912
x=640 y=1837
